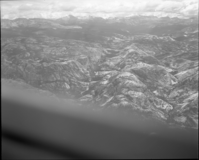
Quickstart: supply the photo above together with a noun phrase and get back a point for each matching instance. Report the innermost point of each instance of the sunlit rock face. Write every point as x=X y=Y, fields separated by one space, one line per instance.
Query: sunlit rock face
x=136 y=64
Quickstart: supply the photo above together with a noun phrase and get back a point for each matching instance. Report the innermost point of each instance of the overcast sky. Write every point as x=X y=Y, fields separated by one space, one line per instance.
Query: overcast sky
x=61 y=8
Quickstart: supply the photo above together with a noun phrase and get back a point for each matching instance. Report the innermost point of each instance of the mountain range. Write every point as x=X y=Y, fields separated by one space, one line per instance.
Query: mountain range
x=142 y=64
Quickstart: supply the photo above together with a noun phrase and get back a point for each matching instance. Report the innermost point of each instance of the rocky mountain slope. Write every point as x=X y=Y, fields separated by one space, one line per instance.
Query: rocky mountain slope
x=140 y=64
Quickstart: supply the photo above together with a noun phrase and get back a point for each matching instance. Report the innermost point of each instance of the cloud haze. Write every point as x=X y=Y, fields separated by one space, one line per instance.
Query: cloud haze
x=62 y=8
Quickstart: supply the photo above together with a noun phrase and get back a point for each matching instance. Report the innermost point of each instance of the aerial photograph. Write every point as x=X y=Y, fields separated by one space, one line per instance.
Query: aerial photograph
x=99 y=79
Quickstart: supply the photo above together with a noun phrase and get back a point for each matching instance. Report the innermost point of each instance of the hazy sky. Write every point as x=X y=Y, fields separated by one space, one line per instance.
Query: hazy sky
x=60 y=8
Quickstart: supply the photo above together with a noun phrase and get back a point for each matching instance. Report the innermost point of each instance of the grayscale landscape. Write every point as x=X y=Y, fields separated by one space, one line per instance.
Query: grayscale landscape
x=131 y=57
x=140 y=63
